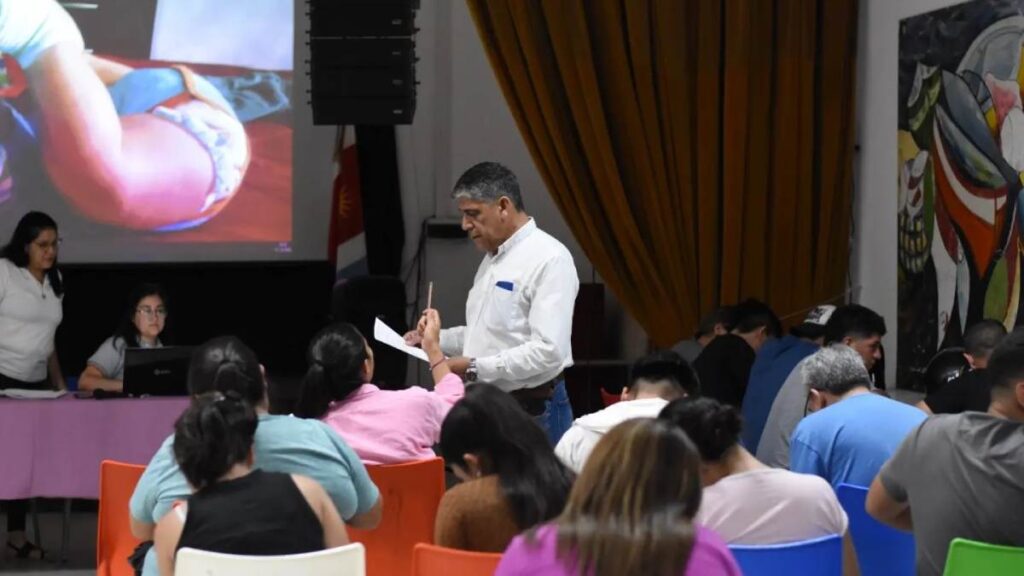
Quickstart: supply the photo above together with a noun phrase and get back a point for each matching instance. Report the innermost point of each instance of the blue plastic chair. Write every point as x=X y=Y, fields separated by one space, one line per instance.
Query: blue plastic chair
x=819 y=557
x=881 y=550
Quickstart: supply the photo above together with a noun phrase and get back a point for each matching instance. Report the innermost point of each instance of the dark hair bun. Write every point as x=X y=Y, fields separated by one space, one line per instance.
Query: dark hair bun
x=714 y=427
x=212 y=435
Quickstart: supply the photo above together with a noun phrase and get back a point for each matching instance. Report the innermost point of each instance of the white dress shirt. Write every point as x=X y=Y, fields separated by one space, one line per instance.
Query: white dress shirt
x=29 y=315
x=519 y=312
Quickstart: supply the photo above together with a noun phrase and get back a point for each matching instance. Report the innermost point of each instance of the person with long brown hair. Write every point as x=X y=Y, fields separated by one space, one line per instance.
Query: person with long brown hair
x=630 y=512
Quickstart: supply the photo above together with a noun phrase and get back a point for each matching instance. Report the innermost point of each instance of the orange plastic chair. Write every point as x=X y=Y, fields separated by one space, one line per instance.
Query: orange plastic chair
x=430 y=560
x=114 y=540
x=411 y=492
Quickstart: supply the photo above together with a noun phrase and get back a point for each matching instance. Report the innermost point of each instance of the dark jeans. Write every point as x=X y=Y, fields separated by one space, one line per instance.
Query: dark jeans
x=557 y=417
x=16 y=510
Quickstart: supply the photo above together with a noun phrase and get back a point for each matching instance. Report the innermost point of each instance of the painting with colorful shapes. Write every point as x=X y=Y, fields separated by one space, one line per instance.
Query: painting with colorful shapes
x=961 y=169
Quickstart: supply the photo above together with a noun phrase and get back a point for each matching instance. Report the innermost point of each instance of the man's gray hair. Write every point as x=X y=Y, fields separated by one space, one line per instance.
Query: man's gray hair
x=835 y=369
x=488 y=182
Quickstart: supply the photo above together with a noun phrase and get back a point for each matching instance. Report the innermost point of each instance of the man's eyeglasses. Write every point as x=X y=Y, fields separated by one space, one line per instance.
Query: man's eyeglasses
x=151 y=313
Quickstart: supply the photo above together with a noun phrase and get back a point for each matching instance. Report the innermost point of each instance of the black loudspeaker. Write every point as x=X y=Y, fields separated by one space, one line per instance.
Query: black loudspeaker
x=360 y=301
x=363 y=61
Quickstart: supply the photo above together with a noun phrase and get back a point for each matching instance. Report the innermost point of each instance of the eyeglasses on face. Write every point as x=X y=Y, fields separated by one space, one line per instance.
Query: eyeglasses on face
x=44 y=246
x=151 y=312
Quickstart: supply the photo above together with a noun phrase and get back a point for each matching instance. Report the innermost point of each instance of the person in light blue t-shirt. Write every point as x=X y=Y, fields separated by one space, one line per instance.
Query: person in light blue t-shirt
x=282 y=444
x=852 y=431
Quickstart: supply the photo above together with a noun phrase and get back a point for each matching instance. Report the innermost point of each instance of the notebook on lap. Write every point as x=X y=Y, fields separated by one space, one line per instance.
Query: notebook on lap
x=156 y=371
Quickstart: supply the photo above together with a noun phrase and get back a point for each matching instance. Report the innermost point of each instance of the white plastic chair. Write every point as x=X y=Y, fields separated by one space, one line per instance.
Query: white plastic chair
x=347 y=560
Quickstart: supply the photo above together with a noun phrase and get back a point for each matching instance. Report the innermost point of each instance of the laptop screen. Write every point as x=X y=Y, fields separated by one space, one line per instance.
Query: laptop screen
x=157 y=371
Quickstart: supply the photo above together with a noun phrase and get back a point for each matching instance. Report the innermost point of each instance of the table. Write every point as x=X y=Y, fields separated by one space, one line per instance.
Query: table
x=53 y=448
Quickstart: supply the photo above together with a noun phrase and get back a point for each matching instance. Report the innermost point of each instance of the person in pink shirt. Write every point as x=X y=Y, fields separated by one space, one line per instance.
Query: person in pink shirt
x=630 y=512
x=381 y=426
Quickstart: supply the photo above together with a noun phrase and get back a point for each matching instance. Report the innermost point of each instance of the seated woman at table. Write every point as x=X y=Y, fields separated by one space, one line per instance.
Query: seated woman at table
x=382 y=426
x=31 y=308
x=140 y=327
x=282 y=444
x=237 y=509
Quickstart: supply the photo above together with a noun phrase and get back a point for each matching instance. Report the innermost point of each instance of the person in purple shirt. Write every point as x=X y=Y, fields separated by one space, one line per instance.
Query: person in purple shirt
x=639 y=490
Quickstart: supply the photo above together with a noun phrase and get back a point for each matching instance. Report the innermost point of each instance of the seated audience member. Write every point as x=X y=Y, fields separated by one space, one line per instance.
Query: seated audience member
x=237 y=509
x=774 y=364
x=962 y=475
x=282 y=444
x=511 y=479
x=724 y=366
x=141 y=326
x=971 y=390
x=382 y=426
x=657 y=379
x=851 y=431
x=711 y=326
x=746 y=502
x=631 y=512
x=859 y=328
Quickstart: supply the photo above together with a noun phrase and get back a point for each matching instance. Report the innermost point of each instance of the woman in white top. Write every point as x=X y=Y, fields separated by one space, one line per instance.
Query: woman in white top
x=745 y=501
x=141 y=326
x=30 y=311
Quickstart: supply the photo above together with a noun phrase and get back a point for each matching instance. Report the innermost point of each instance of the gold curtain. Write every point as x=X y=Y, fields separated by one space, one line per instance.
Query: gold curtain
x=701 y=151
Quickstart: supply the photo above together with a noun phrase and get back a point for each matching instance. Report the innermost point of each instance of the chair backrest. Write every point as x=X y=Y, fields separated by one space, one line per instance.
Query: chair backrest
x=607 y=398
x=970 y=558
x=347 y=560
x=880 y=549
x=430 y=560
x=819 y=557
x=114 y=540
x=411 y=493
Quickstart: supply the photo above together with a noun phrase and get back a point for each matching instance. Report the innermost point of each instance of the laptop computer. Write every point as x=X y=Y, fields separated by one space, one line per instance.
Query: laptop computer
x=156 y=371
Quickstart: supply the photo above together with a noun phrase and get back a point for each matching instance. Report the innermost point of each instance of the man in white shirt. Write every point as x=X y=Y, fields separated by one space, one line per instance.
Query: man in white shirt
x=657 y=379
x=519 y=311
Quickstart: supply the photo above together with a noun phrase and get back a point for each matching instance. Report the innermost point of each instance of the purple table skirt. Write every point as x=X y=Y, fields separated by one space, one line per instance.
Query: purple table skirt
x=53 y=448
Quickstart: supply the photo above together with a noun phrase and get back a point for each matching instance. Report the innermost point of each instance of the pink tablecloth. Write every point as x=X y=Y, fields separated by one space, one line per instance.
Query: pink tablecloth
x=53 y=448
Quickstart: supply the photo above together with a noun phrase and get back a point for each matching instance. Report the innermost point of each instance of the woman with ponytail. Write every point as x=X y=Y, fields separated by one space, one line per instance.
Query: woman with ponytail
x=237 y=509
x=382 y=426
x=630 y=512
x=281 y=444
x=745 y=501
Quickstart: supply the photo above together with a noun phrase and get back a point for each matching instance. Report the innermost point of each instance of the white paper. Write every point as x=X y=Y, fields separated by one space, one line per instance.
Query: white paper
x=25 y=394
x=385 y=335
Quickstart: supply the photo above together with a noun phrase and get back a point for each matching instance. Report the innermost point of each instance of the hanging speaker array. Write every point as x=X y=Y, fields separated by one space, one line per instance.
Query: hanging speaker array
x=362 y=61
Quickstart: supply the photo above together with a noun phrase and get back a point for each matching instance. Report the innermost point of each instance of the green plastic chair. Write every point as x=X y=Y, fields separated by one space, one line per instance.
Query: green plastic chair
x=970 y=558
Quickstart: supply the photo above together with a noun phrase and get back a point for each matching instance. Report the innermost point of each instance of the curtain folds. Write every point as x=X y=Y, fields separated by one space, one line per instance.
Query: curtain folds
x=701 y=151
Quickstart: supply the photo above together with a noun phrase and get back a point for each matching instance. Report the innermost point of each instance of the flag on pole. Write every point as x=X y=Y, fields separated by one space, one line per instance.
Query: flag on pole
x=347 y=240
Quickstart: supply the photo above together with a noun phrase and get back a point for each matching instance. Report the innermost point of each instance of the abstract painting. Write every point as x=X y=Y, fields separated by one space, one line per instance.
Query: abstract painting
x=961 y=168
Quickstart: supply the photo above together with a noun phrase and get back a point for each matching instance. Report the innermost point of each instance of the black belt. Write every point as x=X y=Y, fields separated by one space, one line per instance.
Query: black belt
x=534 y=400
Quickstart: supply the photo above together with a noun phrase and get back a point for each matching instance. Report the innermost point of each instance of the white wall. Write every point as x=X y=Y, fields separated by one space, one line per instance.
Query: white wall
x=874 y=252
x=461 y=119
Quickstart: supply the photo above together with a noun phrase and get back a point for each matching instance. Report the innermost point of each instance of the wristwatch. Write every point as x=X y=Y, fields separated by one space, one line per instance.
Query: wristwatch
x=471 y=371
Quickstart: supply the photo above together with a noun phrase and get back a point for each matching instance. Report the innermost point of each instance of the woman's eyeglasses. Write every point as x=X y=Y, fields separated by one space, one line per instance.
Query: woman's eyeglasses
x=151 y=312
x=44 y=246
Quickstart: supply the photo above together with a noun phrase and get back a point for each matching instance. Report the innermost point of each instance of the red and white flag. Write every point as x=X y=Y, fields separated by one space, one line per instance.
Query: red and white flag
x=346 y=240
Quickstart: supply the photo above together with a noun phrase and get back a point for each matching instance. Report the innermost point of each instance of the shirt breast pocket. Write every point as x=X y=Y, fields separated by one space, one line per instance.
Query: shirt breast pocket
x=502 y=307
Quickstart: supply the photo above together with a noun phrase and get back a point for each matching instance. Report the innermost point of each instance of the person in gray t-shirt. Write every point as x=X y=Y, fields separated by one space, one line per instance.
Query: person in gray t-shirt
x=859 y=328
x=143 y=323
x=961 y=476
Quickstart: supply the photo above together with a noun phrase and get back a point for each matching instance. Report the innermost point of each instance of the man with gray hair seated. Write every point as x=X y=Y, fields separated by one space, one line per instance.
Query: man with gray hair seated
x=849 y=432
